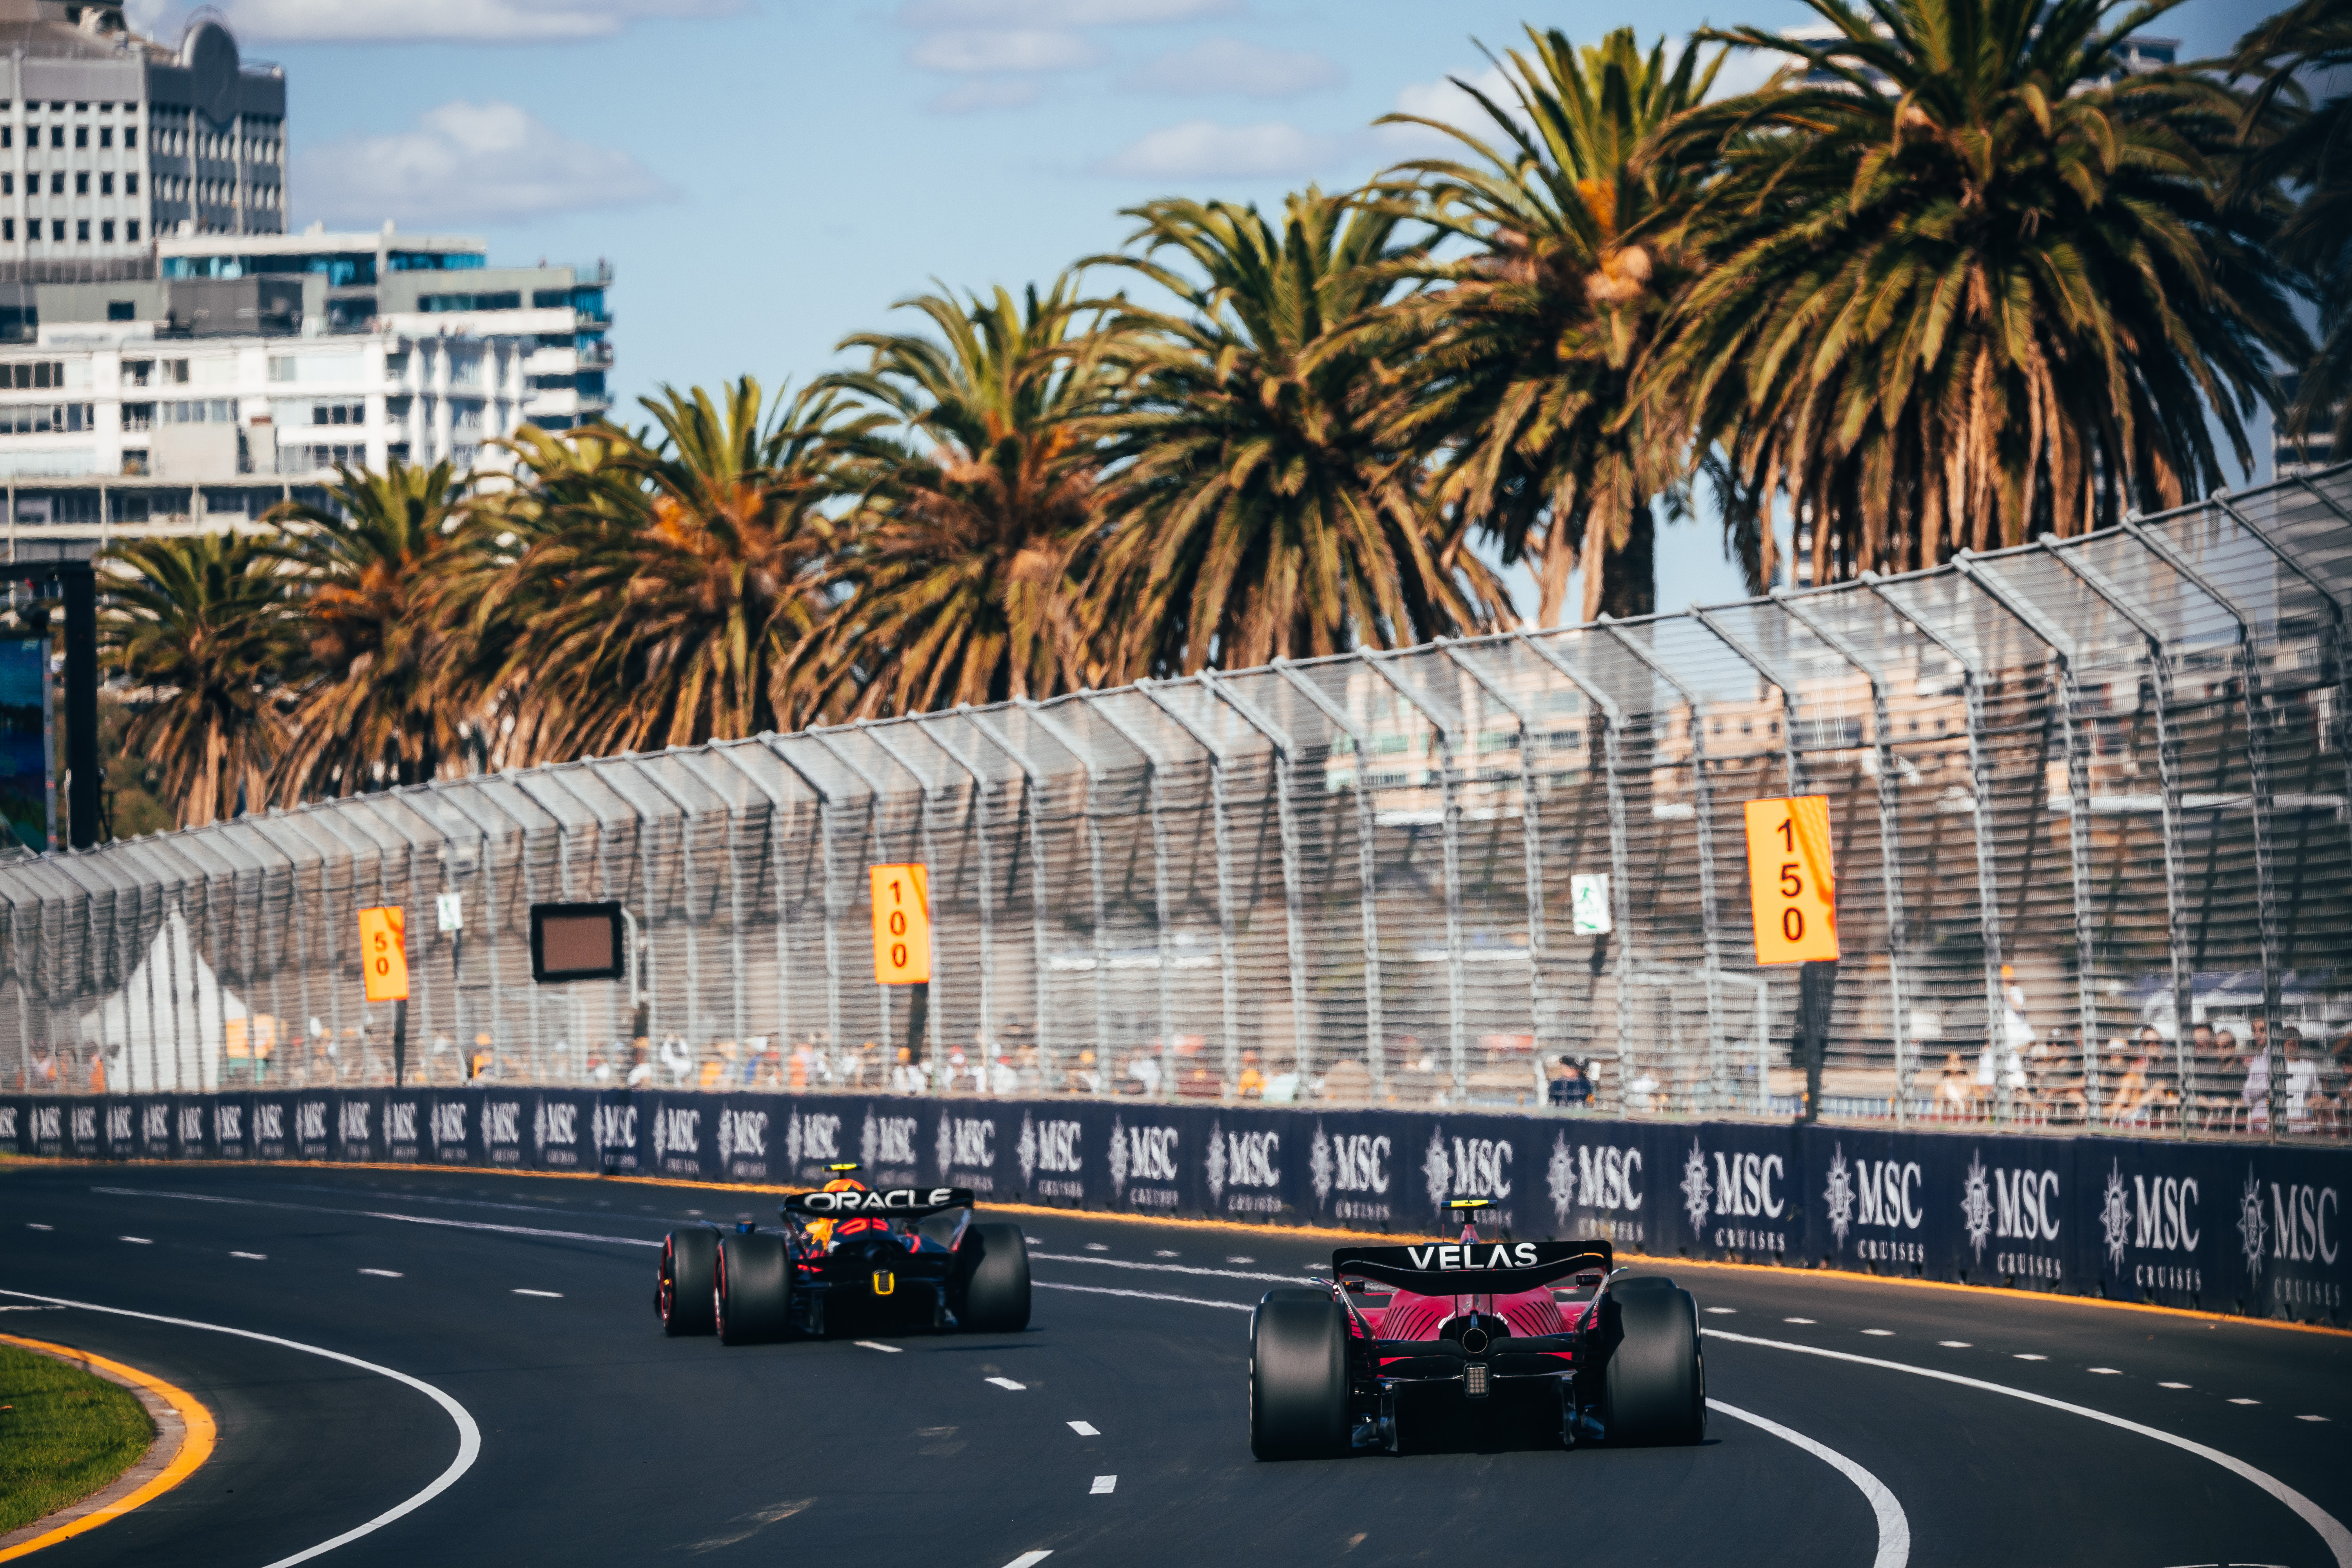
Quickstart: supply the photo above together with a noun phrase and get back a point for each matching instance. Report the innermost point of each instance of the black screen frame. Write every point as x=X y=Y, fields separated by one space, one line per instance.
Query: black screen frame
x=540 y=913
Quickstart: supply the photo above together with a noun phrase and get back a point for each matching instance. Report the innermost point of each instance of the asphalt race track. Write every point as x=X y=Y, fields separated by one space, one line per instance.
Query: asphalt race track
x=1114 y=1430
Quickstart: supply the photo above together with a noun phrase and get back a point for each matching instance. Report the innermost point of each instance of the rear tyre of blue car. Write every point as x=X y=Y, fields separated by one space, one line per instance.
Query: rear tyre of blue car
x=751 y=1295
x=1653 y=1381
x=993 y=1267
x=682 y=1290
x=1298 y=1376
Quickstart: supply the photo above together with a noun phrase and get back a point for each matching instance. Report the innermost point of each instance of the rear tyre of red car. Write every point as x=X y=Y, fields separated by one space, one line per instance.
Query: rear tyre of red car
x=1653 y=1383
x=993 y=1266
x=752 y=1293
x=1298 y=1376
x=682 y=1290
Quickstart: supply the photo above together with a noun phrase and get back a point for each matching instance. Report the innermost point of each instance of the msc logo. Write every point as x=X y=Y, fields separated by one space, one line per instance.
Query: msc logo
x=1872 y=1192
x=118 y=1125
x=269 y=1123
x=1050 y=1146
x=968 y=1141
x=2161 y=1220
x=1140 y=1155
x=351 y=1121
x=1245 y=1160
x=192 y=1124
x=1470 y=1168
x=310 y=1121
x=2296 y=1226
x=887 y=1141
x=617 y=1127
x=2025 y=1205
x=47 y=1122
x=85 y=1124
x=556 y=1123
x=502 y=1123
x=816 y=1136
x=742 y=1132
x=8 y=1122
x=677 y=1127
x=448 y=1124
x=400 y=1121
x=1593 y=1176
x=1352 y=1163
x=228 y=1123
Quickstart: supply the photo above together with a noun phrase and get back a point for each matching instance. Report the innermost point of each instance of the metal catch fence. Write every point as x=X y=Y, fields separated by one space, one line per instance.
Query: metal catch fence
x=2089 y=799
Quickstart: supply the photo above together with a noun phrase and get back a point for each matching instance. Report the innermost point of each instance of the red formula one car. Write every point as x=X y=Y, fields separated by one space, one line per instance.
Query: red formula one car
x=1456 y=1324
x=847 y=1261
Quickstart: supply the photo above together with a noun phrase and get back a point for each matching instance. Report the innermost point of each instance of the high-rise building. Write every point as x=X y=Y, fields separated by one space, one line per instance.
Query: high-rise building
x=172 y=360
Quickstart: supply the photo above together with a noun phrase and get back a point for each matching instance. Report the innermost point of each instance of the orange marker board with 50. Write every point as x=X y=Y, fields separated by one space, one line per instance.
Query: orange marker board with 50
x=1792 y=881
x=902 y=923
x=383 y=953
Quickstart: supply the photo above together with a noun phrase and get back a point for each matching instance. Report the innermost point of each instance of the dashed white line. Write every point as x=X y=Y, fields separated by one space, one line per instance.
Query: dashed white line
x=1103 y=1485
x=30 y=1225
x=1138 y=1295
x=2245 y=1401
x=1894 y=1526
x=551 y=1295
x=2310 y=1417
x=2328 y=1528
x=383 y=1273
x=1722 y=1311
x=1239 y=1258
x=1164 y=1252
x=2173 y=1386
x=2028 y=1355
x=878 y=1345
x=1007 y=1383
x=1087 y=1428
x=2108 y=1370
x=1954 y=1344
x=140 y=1240
x=1097 y=1246
x=1168 y=1268
x=1796 y=1320
x=252 y=1257
x=1880 y=1333
x=1030 y=1559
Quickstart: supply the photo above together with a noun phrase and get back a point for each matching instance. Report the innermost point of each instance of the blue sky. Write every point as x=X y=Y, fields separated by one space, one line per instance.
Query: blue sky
x=769 y=175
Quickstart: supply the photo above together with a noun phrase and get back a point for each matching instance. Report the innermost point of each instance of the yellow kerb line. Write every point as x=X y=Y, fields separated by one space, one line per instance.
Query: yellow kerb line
x=195 y=1446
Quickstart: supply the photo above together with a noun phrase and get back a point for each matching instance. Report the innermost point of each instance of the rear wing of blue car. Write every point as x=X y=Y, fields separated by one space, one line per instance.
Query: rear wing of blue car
x=881 y=1203
x=1472 y=1267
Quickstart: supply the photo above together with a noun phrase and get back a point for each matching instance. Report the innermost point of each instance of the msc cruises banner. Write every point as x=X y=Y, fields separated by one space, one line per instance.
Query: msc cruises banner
x=2245 y=1228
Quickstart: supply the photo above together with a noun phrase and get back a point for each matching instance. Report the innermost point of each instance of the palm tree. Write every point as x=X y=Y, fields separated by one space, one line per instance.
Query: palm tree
x=1533 y=345
x=662 y=582
x=974 y=532
x=1263 y=508
x=2311 y=148
x=1974 y=278
x=379 y=697
x=199 y=623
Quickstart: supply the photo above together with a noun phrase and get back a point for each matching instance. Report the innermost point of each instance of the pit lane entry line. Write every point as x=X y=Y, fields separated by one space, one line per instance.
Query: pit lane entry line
x=470 y=1436
x=1893 y=1525
x=2338 y=1539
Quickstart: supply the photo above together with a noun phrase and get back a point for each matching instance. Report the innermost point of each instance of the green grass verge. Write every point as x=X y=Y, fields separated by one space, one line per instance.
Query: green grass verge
x=68 y=1434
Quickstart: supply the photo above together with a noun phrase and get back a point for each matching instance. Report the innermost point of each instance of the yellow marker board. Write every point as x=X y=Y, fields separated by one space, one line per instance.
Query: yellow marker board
x=383 y=953
x=1791 y=883
x=902 y=924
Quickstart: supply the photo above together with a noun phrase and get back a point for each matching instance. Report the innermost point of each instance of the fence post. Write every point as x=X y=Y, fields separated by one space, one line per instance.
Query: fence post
x=1890 y=842
x=1293 y=892
x=935 y=733
x=2168 y=773
x=1449 y=797
x=878 y=851
x=1061 y=736
x=2258 y=769
x=1155 y=804
x=1981 y=802
x=826 y=871
x=1718 y=1049
x=1033 y=805
x=463 y=798
x=731 y=751
x=259 y=822
x=1221 y=842
x=1621 y=876
x=1530 y=838
x=1368 y=873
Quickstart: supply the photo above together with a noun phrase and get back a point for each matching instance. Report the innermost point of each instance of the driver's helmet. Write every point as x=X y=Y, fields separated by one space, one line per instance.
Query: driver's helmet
x=826 y=1232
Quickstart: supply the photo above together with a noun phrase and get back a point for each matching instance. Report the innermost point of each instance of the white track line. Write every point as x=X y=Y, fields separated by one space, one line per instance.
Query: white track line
x=470 y=1436
x=1007 y=1382
x=879 y=1345
x=1140 y=1295
x=1172 y=1268
x=1089 y=1429
x=1104 y=1486
x=1894 y=1527
x=1030 y=1559
x=378 y=1214
x=2338 y=1539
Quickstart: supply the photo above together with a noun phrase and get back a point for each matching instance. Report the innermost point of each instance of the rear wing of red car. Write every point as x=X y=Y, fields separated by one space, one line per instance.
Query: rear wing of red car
x=880 y=1203
x=1472 y=1267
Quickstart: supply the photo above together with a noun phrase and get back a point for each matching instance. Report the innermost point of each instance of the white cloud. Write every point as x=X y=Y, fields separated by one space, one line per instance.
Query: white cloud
x=1446 y=103
x=1203 y=149
x=1006 y=49
x=389 y=21
x=1230 y=66
x=1058 y=13
x=983 y=93
x=468 y=162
